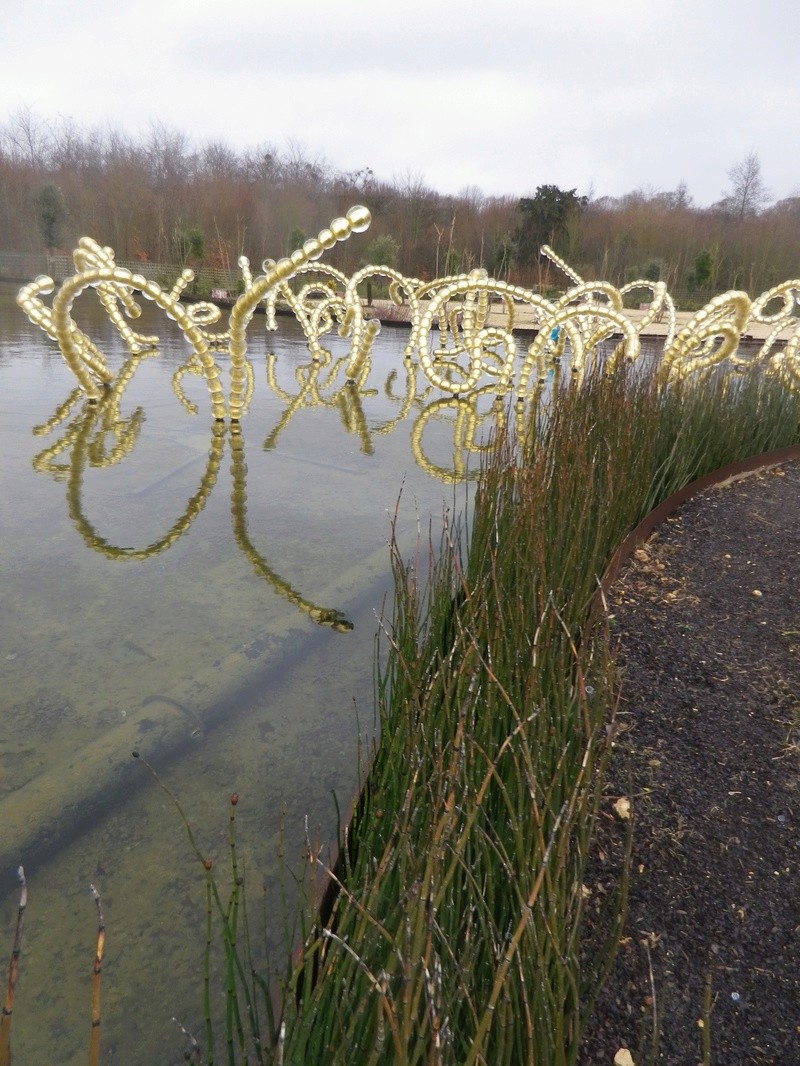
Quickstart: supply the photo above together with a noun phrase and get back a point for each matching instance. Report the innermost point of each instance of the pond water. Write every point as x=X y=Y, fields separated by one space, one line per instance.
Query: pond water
x=208 y=598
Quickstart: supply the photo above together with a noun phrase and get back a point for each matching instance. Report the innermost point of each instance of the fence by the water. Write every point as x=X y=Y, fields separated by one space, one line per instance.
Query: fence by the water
x=22 y=266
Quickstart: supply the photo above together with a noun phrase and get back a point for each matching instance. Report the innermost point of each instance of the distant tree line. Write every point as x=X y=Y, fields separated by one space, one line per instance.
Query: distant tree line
x=160 y=198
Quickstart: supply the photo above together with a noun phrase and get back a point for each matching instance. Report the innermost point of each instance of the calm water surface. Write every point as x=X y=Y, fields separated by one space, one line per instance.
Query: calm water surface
x=209 y=600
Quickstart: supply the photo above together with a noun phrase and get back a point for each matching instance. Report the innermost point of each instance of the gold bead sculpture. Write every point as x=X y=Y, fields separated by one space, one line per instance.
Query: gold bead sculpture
x=465 y=331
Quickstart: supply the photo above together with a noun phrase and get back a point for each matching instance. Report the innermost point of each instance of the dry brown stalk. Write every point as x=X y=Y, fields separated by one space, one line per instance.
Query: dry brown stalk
x=94 y=1044
x=13 y=973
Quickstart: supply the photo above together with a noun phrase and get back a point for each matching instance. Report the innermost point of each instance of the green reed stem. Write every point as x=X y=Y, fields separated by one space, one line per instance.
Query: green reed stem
x=207 y=970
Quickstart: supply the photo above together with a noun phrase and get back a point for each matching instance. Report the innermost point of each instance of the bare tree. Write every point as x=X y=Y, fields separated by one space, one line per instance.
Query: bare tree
x=219 y=162
x=148 y=196
x=28 y=137
x=748 y=193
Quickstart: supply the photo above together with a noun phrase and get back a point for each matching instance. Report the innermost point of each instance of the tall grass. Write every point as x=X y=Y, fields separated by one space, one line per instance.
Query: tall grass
x=702 y=427
x=457 y=932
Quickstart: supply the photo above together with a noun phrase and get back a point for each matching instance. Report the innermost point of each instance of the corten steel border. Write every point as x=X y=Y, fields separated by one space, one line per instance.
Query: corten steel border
x=328 y=890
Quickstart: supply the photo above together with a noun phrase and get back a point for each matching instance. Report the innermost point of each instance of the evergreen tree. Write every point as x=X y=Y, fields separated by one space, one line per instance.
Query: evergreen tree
x=51 y=212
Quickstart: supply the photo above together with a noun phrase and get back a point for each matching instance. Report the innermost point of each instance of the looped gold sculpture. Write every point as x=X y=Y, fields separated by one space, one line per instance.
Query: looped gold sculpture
x=783 y=364
x=356 y=221
x=464 y=329
x=711 y=337
x=80 y=354
x=96 y=269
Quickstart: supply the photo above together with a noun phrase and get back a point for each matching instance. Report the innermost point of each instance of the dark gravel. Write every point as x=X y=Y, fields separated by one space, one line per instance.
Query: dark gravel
x=707 y=616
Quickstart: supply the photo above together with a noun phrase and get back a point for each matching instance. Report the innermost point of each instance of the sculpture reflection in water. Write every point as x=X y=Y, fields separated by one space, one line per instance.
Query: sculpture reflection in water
x=469 y=420
x=324 y=616
x=319 y=389
x=97 y=435
x=84 y=442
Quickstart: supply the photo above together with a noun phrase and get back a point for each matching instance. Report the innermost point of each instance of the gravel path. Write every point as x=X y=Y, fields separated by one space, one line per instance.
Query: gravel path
x=707 y=615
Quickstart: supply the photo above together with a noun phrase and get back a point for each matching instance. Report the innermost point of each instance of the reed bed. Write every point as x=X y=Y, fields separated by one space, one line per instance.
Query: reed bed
x=458 y=933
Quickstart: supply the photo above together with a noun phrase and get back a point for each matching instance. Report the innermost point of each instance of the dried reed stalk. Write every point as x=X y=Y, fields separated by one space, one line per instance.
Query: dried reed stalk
x=97 y=970
x=13 y=973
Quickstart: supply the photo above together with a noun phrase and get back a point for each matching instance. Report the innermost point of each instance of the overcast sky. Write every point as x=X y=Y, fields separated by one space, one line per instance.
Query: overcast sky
x=604 y=96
